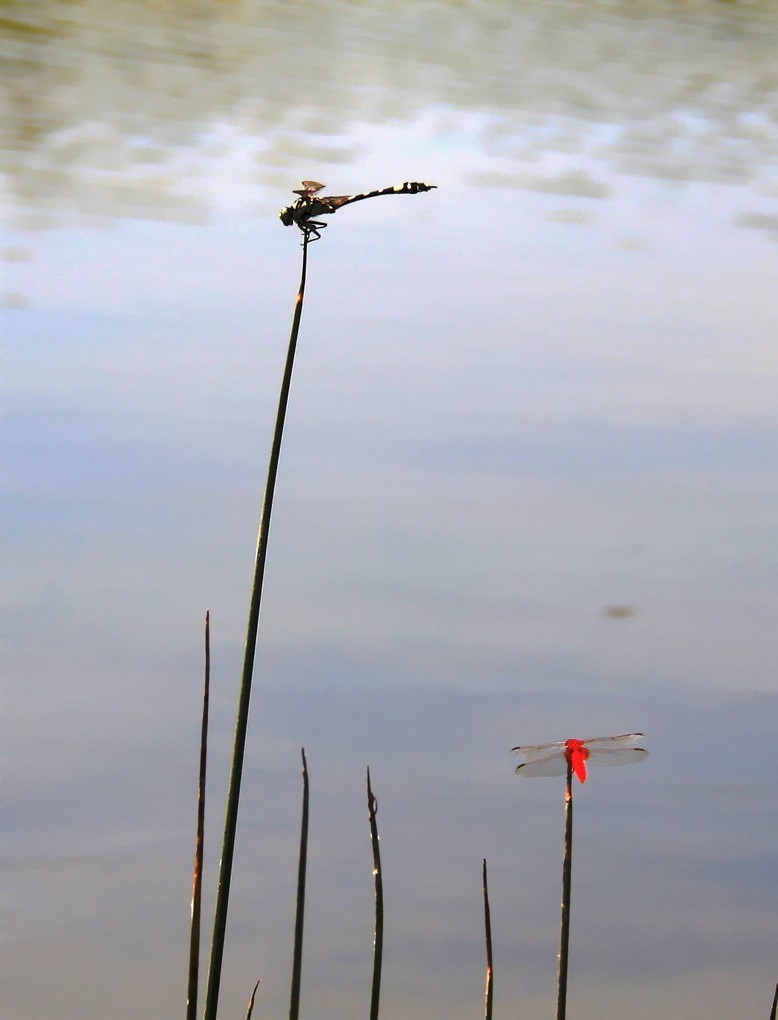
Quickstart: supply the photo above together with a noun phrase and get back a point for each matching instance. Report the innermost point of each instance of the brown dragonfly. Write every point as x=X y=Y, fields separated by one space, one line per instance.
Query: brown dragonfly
x=310 y=205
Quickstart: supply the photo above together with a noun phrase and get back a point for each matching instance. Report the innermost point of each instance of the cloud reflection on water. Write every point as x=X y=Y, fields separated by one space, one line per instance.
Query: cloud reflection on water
x=546 y=389
x=105 y=98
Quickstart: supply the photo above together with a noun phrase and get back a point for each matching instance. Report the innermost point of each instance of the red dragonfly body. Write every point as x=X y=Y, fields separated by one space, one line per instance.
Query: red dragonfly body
x=553 y=759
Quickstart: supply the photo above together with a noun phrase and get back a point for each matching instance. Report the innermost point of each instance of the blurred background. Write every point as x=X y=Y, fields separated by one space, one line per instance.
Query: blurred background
x=527 y=492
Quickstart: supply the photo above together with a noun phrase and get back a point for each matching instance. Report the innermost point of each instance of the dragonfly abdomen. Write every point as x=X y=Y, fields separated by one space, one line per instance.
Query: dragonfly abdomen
x=406 y=188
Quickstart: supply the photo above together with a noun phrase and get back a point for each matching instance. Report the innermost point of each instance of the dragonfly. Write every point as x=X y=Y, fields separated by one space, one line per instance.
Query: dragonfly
x=553 y=759
x=310 y=205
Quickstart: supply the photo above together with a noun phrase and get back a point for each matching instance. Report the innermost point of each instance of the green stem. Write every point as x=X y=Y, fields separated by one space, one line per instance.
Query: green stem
x=197 y=878
x=297 y=958
x=489 y=991
x=244 y=697
x=567 y=877
x=378 y=942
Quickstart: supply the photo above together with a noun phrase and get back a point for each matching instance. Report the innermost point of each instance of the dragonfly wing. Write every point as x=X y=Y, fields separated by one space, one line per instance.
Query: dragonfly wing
x=335 y=201
x=311 y=187
x=534 y=751
x=616 y=756
x=552 y=765
x=604 y=743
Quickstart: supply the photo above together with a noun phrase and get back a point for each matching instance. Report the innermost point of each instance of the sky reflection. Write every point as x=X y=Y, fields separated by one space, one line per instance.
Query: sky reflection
x=543 y=391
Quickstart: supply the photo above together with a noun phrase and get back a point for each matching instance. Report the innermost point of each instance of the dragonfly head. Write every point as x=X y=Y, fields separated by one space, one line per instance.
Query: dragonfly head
x=287 y=216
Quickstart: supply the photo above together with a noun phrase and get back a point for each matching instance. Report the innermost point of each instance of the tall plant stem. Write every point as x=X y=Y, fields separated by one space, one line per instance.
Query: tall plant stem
x=378 y=941
x=197 y=878
x=244 y=697
x=297 y=958
x=489 y=990
x=567 y=876
x=775 y=1004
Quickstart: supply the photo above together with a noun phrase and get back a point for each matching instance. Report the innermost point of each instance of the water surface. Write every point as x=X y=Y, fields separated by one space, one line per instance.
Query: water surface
x=528 y=491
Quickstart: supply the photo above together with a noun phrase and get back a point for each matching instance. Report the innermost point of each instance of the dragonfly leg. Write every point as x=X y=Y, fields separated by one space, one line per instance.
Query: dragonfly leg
x=311 y=230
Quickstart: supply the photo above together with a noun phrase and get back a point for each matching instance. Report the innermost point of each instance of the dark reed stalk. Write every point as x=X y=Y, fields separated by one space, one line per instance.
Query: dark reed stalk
x=297 y=957
x=775 y=1004
x=378 y=941
x=489 y=990
x=244 y=697
x=197 y=878
x=567 y=877
x=251 y=1001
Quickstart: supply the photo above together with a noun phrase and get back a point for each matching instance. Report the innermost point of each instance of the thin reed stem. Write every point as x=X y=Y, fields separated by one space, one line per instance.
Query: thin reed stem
x=244 y=697
x=567 y=877
x=297 y=958
x=378 y=941
x=775 y=1004
x=197 y=878
x=251 y=1001
x=489 y=989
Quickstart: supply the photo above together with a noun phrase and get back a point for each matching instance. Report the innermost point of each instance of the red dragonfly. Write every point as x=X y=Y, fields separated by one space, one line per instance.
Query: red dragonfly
x=553 y=759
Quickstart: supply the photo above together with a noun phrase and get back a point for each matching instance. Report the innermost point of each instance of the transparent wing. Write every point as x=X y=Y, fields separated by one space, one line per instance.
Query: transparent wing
x=616 y=756
x=552 y=765
x=311 y=187
x=605 y=743
x=534 y=751
x=550 y=760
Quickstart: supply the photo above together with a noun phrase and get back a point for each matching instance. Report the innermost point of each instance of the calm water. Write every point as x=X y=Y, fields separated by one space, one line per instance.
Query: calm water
x=528 y=491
